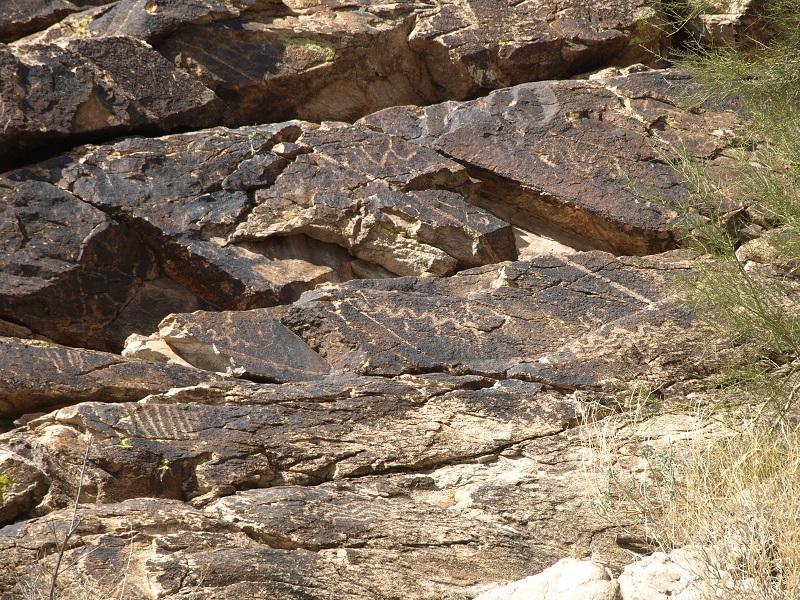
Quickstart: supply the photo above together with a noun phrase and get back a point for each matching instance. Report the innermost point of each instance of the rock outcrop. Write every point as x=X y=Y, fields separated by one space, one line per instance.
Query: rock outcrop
x=163 y=65
x=332 y=318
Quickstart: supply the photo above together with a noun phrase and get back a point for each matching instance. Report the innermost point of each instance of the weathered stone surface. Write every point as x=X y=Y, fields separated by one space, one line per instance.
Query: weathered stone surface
x=405 y=208
x=54 y=97
x=338 y=61
x=68 y=269
x=491 y=320
x=22 y=17
x=389 y=202
x=482 y=321
x=595 y=361
x=269 y=352
x=451 y=531
x=169 y=550
x=424 y=486
x=568 y=579
x=184 y=193
x=677 y=575
x=271 y=61
x=245 y=437
x=576 y=160
x=36 y=376
x=409 y=437
x=22 y=486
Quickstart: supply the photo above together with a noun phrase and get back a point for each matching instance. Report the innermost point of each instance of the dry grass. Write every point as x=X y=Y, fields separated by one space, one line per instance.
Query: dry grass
x=730 y=494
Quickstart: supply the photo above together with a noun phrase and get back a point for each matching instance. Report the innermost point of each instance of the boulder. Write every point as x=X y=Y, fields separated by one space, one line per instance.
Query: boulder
x=568 y=579
x=583 y=161
x=69 y=269
x=53 y=97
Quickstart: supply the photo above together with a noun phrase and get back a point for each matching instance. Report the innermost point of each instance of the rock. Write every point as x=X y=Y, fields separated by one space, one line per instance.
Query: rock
x=188 y=203
x=339 y=379
x=568 y=579
x=167 y=549
x=18 y=19
x=724 y=22
x=389 y=202
x=292 y=60
x=323 y=61
x=244 y=436
x=575 y=160
x=677 y=575
x=68 y=269
x=770 y=249
x=22 y=486
x=270 y=352
x=37 y=375
x=482 y=321
x=105 y=87
x=595 y=360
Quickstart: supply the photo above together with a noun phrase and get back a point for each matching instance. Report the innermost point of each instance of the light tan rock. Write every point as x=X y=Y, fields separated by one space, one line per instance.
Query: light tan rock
x=568 y=579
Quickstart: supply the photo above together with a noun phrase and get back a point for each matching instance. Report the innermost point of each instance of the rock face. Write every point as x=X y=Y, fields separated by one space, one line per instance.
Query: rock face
x=162 y=65
x=315 y=351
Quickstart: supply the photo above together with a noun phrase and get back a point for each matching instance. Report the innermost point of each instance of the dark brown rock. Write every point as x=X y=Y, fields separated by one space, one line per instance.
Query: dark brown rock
x=271 y=61
x=22 y=17
x=584 y=161
x=53 y=97
x=185 y=193
x=389 y=202
x=339 y=61
x=481 y=321
x=68 y=269
x=269 y=352
x=36 y=376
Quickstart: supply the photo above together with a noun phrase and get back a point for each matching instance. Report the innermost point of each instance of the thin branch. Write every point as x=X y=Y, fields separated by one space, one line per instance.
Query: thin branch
x=73 y=525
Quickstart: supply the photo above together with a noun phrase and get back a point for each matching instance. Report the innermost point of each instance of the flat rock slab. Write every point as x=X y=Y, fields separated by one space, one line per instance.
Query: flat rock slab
x=487 y=321
x=453 y=531
x=237 y=63
x=271 y=352
x=413 y=484
x=38 y=376
x=171 y=550
x=244 y=437
x=482 y=321
x=586 y=161
x=231 y=219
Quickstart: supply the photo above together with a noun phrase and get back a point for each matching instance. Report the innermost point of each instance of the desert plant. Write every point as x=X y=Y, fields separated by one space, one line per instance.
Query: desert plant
x=733 y=496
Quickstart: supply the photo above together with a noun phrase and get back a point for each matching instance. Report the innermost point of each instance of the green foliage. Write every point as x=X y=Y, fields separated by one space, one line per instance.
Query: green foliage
x=5 y=484
x=734 y=495
x=754 y=308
